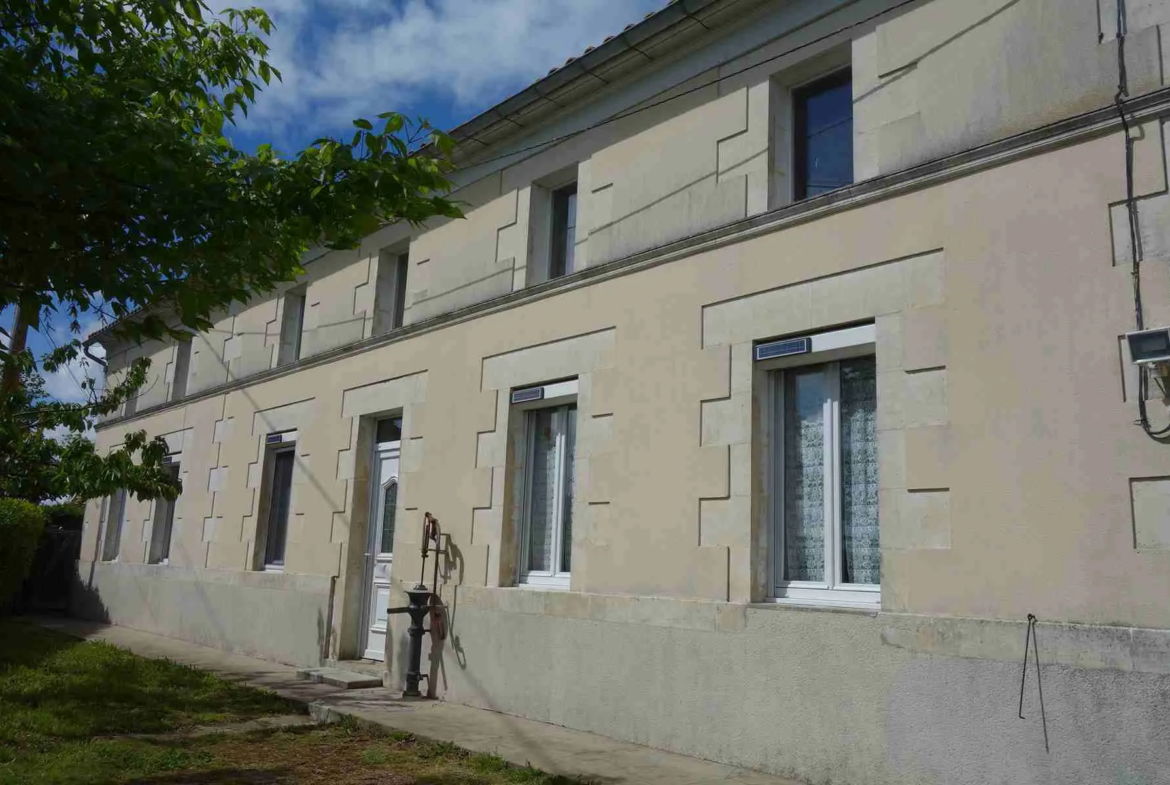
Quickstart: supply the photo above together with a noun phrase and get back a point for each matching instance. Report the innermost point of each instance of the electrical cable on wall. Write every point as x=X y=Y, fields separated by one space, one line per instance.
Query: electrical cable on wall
x=1131 y=209
x=722 y=77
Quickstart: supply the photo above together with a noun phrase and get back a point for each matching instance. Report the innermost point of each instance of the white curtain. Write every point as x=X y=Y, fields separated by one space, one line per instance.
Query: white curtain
x=804 y=475
x=861 y=557
x=542 y=490
x=570 y=489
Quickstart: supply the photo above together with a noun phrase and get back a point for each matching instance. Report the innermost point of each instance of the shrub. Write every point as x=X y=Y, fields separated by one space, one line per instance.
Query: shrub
x=64 y=515
x=21 y=524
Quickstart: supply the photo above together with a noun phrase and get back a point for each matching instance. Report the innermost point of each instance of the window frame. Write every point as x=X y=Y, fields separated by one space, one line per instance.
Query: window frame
x=390 y=282
x=167 y=529
x=292 y=326
x=562 y=234
x=288 y=445
x=182 y=369
x=401 y=273
x=117 y=504
x=561 y=397
x=799 y=94
x=826 y=349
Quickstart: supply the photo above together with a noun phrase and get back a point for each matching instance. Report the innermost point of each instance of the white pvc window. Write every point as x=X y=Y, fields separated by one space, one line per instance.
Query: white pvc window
x=824 y=527
x=547 y=516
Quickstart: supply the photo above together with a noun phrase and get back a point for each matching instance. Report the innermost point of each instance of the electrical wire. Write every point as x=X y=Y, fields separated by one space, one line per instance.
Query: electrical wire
x=647 y=107
x=696 y=88
x=1131 y=209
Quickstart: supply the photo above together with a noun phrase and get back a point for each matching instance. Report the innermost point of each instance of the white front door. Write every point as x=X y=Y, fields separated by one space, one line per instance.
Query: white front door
x=380 y=548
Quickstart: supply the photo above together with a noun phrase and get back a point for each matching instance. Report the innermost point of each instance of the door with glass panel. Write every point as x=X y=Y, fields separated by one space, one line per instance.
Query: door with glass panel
x=825 y=461
x=380 y=545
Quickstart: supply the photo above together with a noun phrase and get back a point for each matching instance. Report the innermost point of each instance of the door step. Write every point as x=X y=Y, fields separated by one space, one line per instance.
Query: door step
x=336 y=677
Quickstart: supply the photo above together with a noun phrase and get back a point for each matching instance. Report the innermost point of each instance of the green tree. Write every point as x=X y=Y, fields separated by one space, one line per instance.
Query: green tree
x=121 y=195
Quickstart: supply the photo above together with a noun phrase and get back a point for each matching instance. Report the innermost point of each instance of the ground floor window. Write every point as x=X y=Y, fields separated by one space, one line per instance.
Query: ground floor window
x=163 y=525
x=824 y=488
x=547 y=518
x=115 y=520
x=279 y=503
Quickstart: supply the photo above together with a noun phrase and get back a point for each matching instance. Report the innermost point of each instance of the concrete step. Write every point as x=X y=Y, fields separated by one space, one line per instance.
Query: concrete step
x=337 y=677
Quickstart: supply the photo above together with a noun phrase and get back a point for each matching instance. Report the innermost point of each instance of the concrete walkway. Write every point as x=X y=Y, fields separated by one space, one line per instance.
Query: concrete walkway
x=549 y=747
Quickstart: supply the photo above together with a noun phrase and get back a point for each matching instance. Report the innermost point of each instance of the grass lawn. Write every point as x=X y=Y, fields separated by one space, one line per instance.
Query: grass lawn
x=67 y=707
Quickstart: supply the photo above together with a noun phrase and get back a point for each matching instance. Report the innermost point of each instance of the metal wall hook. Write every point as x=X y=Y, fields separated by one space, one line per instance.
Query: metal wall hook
x=1030 y=635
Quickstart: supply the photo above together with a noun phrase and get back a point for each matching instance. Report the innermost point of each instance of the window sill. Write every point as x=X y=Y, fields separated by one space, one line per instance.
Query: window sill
x=277 y=568
x=541 y=586
x=844 y=605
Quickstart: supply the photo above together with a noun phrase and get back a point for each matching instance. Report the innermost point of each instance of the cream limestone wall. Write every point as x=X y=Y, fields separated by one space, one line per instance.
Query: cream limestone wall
x=1013 y=479
x=500 y=450
x=947 y=75
x=467 y=261
x=158 y=387
x=998 y=309
x=906 y=300
x=929 y=80
x=698 y=170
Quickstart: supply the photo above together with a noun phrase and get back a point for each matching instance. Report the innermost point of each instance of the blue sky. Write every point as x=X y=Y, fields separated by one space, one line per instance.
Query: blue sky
x=445 y=60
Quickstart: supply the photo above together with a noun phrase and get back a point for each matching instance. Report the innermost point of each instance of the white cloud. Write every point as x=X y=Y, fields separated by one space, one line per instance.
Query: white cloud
x=64 y=383
x=342 y=59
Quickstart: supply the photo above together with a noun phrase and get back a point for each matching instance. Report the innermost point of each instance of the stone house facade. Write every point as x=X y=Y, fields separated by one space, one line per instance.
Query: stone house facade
x=777 y=372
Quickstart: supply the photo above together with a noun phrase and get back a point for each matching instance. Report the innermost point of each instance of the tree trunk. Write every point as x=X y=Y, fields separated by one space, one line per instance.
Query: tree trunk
x=18 y=337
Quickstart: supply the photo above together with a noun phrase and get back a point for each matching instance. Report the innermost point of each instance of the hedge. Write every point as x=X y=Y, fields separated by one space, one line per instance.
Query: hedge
x=64 y=515
x=21 y=524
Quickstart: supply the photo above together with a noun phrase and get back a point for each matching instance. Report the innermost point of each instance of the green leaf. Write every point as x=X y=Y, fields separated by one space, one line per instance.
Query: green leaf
x=129 y=187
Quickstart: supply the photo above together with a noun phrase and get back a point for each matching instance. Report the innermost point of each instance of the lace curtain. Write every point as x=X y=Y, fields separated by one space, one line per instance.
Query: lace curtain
x=804 y=475
x=542 y=490
x=554 y=437
x=570 y=490
x=805 y=395
x=860 y=554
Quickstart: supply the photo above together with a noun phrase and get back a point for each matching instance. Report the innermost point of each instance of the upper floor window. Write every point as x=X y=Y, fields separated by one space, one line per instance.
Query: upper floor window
x=564 y=231
x=292 y=325
x=823 y=135
x=390 y=290
x=181 y=370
